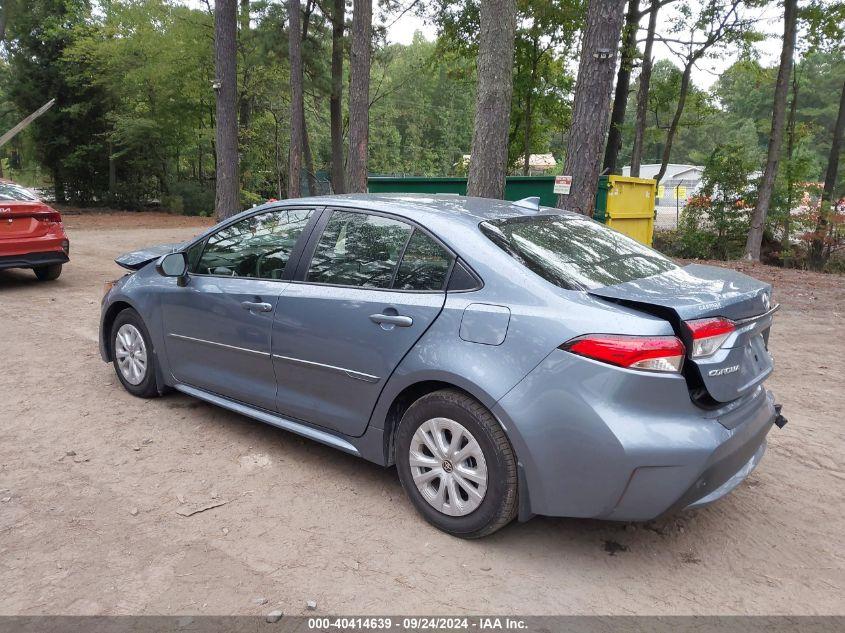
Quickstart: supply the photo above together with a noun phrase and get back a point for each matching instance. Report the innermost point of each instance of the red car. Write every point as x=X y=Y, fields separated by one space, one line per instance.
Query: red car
x=31 y=233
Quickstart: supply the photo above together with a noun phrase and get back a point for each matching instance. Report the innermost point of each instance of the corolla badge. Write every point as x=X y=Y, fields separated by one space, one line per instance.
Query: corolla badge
x=723 y=370
x=767 y=302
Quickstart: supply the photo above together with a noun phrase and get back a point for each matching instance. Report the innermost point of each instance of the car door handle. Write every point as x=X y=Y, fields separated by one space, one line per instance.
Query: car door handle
x=258 y=306
x=392 y=319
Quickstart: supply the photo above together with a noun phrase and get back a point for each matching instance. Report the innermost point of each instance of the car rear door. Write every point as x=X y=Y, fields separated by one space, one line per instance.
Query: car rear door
x=368 y=287
x=218 y=325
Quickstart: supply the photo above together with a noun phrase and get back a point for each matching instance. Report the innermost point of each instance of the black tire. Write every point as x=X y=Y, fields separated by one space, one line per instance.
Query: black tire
x=147 y=387
x=48 y=273
x=500 y=503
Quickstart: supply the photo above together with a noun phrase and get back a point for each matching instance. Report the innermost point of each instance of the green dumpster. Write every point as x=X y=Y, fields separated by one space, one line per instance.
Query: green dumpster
x=516 y=187
x=600 y=212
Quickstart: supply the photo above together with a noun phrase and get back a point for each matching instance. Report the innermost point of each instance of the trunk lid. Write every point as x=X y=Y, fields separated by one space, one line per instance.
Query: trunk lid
x=697 y=291
x=23 y=219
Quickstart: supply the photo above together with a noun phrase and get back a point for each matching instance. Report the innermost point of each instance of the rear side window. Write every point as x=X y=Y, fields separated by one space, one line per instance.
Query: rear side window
x=358 y=249
x=574 y=252
x=424 y=266
x=258 y=246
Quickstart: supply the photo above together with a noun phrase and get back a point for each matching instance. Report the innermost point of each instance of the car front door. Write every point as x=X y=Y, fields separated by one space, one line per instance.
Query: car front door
x=372 y=287
x=218 y=325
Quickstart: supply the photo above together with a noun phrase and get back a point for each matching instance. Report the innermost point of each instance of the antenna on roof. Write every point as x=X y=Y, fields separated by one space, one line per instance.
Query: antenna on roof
x=532 y=203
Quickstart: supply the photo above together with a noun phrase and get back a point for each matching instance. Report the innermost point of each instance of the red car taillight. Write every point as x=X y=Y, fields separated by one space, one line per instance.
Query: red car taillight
x=51 y=218
x=708 y=335
x=651 y=353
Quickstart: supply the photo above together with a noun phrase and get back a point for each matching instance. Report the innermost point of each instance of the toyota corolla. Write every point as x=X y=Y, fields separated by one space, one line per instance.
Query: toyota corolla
x=508 y=359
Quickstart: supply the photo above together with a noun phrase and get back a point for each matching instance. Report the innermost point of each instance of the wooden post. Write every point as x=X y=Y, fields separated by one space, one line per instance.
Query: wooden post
x=8 y=136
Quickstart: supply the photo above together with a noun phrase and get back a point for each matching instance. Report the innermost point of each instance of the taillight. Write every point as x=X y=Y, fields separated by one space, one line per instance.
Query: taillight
x=708 y=335
x=50 y=218
x=650 y=353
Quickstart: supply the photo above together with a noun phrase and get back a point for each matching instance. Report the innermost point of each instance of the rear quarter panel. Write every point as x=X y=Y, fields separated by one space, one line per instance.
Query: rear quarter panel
x=542 y=317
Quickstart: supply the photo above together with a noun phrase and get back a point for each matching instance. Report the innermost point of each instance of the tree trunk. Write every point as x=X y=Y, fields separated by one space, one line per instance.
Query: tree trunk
x=590 y=113
x=227 y=200
x=642 y=93
x=817 y=246
x=790 y=154
x=528 y=123
x=245 y=116
x=359 y=95
x=336 y=98
x=277 y=145
x=767 y=184
x=58 y=187
x=112 y=171
x=7 y=8
x=488 y=161
x=310 y=174
x=297 y=111
x=4 y=18
x=676 y=119
x=623 y=84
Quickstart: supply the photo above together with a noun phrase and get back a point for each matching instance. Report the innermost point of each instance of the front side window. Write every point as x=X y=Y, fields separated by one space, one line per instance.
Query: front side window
x=575 y=252
x=258 y=246
x=358 y=249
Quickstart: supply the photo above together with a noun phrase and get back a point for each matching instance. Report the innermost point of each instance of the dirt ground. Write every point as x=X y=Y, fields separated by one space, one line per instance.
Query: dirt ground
x=92 y=481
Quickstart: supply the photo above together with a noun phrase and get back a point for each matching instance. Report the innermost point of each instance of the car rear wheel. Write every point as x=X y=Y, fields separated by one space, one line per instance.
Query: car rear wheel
x=48 y=273
x=133 y=357
x=456 y=464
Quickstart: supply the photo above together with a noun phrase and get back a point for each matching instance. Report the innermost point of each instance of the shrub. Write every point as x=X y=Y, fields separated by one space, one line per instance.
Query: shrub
x=190 y=198
x=714 y=224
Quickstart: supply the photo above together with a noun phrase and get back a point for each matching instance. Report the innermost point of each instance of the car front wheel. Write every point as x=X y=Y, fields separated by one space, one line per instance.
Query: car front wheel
x=133 y=357
x=456 y=464
x=48 y=273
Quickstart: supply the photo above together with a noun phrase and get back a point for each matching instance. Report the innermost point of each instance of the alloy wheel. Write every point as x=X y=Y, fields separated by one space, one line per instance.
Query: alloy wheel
x=131 y=353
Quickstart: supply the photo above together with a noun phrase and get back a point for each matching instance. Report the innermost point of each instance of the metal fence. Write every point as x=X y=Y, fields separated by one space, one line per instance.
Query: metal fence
x=672 y=197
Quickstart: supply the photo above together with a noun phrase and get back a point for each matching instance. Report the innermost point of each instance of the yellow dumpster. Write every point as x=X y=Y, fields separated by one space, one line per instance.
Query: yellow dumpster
x=627 y=205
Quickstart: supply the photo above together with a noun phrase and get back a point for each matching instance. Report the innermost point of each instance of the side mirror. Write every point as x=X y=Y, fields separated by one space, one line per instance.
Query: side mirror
x=173 y=265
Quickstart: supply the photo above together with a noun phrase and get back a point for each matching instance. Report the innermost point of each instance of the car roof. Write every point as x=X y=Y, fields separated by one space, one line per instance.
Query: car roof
x=437 y=208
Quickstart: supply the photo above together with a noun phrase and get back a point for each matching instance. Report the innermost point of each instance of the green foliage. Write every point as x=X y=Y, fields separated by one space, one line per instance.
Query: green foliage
x=714 y=223
x=423 y=103
x=68 y=137
x=189 y=197
x=695 y=141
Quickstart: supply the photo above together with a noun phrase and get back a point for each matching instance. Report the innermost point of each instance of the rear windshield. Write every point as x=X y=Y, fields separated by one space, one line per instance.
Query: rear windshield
x=8 y=191
x=574 y=252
